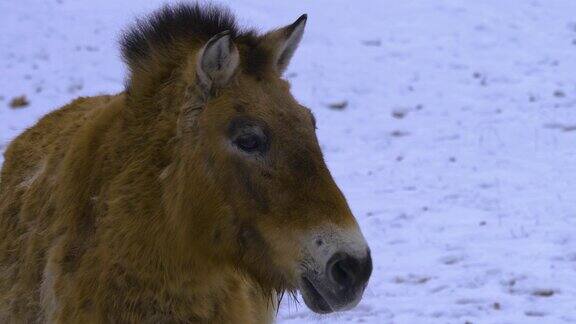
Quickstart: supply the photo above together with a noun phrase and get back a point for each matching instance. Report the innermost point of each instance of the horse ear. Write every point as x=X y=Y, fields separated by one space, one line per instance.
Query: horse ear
x=217 y=60
x=284 y=42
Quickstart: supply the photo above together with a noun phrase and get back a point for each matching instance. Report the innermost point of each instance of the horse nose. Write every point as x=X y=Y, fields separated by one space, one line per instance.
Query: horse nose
x=349 y=272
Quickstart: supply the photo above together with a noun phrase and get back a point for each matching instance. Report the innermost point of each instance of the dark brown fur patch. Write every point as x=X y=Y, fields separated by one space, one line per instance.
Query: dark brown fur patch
x=252 y=189
x=256 y=60
x=304 y=166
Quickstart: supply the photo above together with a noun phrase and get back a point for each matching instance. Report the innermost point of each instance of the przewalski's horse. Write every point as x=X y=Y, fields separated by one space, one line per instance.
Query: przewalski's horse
x=197 y=195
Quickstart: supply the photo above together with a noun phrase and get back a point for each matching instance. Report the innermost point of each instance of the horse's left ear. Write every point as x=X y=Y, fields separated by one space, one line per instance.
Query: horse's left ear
x=217 y=60
x=284 y=41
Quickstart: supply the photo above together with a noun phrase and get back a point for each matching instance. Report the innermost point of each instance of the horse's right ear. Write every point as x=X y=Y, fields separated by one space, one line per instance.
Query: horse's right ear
x=217 y=60
x=284 y=41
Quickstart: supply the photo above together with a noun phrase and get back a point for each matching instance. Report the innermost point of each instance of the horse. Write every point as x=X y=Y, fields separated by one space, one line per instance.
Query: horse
x=198 y=194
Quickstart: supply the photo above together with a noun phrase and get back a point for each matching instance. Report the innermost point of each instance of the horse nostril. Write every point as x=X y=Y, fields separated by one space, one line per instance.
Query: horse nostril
x=349 y=272
x=343 y=270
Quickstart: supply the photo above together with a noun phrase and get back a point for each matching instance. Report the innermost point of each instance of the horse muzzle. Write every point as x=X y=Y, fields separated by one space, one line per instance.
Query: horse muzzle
x=335 y=270
x=341 y=285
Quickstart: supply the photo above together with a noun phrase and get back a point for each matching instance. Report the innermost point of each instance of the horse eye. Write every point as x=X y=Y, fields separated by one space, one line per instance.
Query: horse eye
x=249 y=135
x=248 y=142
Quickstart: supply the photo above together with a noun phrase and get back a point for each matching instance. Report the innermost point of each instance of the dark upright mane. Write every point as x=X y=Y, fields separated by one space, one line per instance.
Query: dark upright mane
x=163 y=30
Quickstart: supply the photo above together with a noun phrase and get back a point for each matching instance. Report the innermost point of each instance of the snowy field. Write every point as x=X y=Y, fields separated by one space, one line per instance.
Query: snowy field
x=456 y=147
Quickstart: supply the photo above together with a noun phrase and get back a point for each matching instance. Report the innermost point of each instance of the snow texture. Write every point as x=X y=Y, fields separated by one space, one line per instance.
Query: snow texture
x=449 y=125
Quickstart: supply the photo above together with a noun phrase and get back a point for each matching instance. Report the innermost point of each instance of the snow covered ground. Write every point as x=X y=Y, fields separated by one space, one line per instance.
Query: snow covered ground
x=456 y=149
